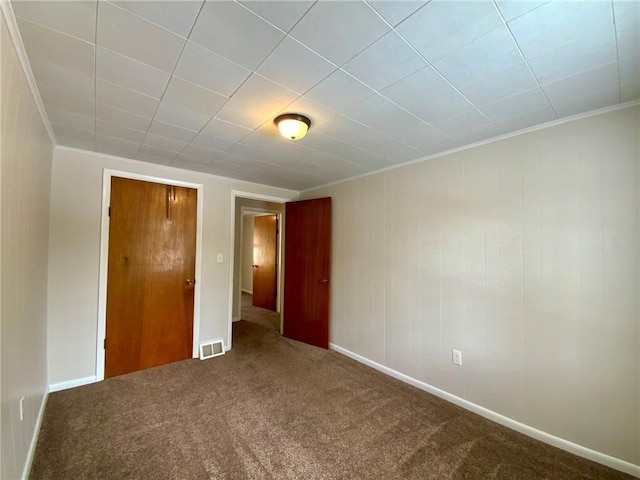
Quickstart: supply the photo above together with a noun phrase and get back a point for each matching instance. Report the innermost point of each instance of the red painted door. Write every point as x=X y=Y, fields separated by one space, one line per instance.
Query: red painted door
x=307 y=271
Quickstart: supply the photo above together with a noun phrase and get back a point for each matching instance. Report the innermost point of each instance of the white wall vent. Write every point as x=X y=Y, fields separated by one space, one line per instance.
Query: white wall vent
x=210 y=349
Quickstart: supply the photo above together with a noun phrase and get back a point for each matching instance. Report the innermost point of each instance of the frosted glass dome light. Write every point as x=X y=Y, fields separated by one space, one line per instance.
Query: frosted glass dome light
x=292 y=125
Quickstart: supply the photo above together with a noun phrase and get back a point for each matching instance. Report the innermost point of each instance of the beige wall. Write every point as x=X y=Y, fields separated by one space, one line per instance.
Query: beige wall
x=247 y=253
x=75 y=254
x=25 y=173
x=523 y=254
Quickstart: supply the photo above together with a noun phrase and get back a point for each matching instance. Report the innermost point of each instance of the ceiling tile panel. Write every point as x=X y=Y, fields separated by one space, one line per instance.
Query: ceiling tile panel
x=587 y=103
x=487 y=55
x=394 y=11
x=121 y=97
x=327 y=144
x=385 y=62
x=122 y=117
x=46 y=45
x=118 y=131
x=339 y=30
x=427 y=95
x=257 y=101
x=316 y=112
x=476 y=135
x=171 y=131
x=366 y=138
x=386 y=117
x=53 y=76
x=181 y=116
x=451 y=126
x=89 y=145
x=191 y=96
x=500 y=85
x=121 y=31
x=338 y=91
x=80 y=134
x=228 y=131
x=212 y=71
x=176 y=16
x=511 y=9
x=442 y=26
x=199 y=153
x=66 y=100
x=558 y=22
x=626 y=11
x=527 y=119
x=630 y=70
x=131 y=74
x=585 y=83
x=164 y=143
x=161 y=158
x=628 y=36
x=187 y=163
x=117 y=146
x=69 y=119
x=584 y=53
x=294 y=66
x=236 y=33
x=160 y=155
x=513 y=106
x=630 y=92
x=76 y=18
x=214 y=143
x=282 y=14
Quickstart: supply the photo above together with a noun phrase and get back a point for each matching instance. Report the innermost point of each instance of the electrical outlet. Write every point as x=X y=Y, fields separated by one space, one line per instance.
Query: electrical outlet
x=456 y=357
x=22 y=409
x=220 y=258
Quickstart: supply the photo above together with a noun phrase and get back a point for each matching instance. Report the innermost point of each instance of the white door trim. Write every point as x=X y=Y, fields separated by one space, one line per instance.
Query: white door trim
x=232 y=283
x=104 y=258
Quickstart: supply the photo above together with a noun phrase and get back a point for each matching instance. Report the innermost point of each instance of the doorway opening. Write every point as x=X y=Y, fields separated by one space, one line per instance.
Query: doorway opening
x=246 y=208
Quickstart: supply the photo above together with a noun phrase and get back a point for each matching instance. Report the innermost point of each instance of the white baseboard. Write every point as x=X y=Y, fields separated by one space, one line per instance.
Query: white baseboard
x=235 y=319
x=250 y=292
x=34 y=439
x=78 y=382
x=532 y=432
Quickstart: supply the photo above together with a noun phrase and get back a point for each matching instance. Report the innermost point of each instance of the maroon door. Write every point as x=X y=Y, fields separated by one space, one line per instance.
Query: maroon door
x=307 y=265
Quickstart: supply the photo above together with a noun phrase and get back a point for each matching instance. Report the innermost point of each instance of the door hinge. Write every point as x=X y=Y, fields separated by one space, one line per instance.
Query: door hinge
x=109 y=211
x=104 y=344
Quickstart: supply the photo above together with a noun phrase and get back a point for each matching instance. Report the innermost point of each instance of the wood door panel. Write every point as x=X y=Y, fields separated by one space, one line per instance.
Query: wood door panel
x=265 y=254
x=307 y=271
x=152 y=238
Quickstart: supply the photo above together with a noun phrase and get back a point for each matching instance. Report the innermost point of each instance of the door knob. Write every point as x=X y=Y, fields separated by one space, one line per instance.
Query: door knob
x=254 y=266
x=324 y=281
x=190 y=282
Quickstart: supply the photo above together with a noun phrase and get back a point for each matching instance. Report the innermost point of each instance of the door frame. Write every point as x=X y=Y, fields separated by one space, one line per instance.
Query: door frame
x=234 y=284
x=107 y=174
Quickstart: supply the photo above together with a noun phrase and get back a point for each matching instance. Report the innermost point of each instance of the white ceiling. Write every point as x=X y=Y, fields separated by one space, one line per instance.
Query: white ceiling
x=196 y=85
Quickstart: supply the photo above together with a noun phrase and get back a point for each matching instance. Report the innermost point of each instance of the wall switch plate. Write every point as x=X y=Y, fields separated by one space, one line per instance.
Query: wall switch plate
x=22 y=409
x=456 y=357
x=220 y=258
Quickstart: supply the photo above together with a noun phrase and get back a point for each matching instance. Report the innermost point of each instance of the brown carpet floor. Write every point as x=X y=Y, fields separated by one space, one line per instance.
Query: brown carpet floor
x=277 y=409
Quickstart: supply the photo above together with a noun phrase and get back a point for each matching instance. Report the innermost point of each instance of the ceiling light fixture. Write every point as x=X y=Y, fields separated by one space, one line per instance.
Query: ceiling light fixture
x=292 y=125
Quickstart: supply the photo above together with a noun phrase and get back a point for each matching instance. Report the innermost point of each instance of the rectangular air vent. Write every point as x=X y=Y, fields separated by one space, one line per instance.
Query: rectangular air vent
x=211 y=349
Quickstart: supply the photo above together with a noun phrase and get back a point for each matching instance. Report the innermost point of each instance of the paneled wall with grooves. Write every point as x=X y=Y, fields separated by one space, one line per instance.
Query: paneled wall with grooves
x=524 y=255
x=25 y=172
